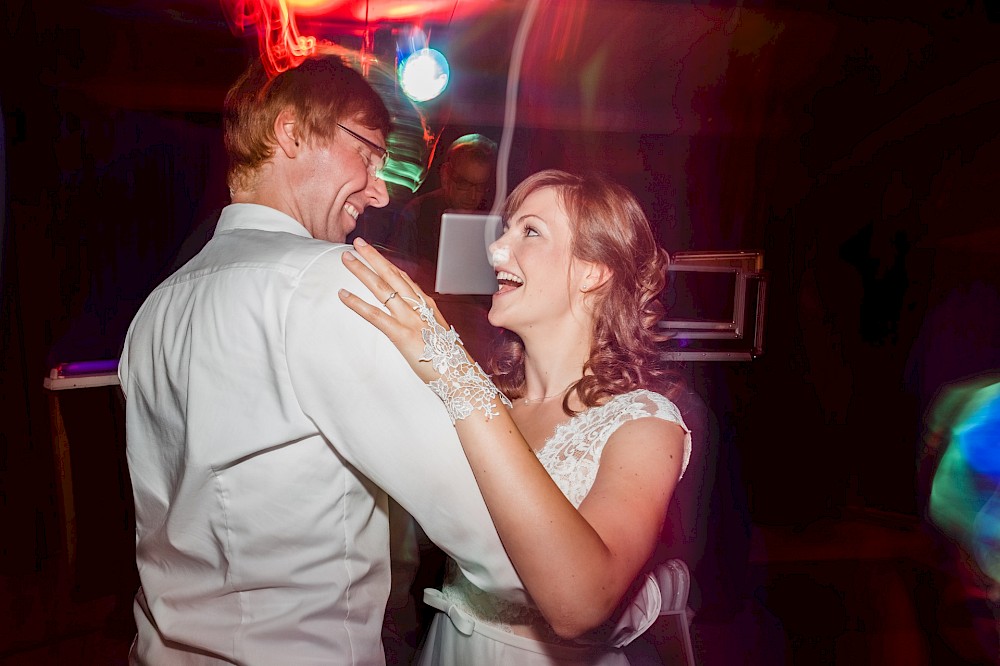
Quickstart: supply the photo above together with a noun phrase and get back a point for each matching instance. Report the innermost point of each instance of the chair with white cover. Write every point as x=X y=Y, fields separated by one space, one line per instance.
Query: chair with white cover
x=674 y=580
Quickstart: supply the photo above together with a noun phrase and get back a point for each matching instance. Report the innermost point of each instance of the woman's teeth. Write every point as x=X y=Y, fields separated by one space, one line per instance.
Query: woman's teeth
x=503 y=277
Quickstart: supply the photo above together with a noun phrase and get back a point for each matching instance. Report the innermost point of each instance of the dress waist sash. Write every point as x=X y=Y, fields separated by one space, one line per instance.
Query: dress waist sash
x=467 y=625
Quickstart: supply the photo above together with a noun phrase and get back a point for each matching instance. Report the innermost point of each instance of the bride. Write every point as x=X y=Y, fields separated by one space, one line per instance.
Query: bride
x=575 y=447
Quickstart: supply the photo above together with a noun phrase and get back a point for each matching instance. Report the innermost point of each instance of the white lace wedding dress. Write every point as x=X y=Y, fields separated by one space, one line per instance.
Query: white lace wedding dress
x=475 y=628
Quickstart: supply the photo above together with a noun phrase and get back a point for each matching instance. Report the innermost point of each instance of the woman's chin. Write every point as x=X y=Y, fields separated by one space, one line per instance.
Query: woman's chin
x=496 y=317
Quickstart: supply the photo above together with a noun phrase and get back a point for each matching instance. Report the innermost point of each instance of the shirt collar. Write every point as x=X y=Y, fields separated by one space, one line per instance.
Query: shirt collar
x=262 y=218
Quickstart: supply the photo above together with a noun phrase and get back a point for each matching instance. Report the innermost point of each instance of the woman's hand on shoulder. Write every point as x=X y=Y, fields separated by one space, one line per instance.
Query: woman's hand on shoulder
x=404 y=302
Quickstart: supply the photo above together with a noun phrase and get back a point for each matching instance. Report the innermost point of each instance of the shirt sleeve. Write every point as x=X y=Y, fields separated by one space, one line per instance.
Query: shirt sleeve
x=376 y=413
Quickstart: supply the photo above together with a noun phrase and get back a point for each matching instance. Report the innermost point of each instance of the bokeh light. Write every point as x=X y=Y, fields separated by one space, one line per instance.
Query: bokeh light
x=424 y=75
x=965 y=492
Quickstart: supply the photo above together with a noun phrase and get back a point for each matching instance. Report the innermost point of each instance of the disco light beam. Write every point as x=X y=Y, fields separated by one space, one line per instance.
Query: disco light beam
x=280 y=44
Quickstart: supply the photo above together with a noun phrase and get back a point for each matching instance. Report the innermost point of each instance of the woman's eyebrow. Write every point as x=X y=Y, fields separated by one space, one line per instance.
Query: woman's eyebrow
x=531 y=216
x=507 y=224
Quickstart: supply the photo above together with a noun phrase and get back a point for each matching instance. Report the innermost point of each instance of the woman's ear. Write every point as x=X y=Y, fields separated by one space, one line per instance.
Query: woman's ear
x=286 y=131
x=594 y=275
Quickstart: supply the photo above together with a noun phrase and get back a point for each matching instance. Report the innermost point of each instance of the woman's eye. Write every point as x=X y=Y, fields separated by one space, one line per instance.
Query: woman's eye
x=530 y=231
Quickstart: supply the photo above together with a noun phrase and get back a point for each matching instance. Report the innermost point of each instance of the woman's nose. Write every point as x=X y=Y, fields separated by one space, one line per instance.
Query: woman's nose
x=499 y=254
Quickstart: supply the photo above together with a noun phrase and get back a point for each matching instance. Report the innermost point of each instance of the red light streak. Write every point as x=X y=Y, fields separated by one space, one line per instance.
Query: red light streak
x=281 y=45
x=391 y=10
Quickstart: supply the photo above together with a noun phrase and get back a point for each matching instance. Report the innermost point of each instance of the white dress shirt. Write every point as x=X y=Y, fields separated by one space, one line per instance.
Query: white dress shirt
x=264 y=420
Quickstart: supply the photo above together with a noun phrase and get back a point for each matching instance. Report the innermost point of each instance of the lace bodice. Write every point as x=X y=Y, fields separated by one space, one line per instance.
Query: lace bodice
x=573 y=454
x=572 y=457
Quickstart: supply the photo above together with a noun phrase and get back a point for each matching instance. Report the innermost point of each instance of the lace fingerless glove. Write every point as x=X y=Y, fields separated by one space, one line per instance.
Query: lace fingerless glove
x=463 y=386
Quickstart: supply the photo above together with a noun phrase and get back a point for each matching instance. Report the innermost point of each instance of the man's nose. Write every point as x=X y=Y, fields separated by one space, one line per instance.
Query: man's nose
x=377 y=192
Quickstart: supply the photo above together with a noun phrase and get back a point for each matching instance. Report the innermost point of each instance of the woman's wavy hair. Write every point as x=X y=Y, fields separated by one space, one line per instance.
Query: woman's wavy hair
x=607 y=227
x=323 y=90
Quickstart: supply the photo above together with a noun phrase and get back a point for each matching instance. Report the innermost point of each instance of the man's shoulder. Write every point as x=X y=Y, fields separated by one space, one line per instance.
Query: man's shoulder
x=262 y=250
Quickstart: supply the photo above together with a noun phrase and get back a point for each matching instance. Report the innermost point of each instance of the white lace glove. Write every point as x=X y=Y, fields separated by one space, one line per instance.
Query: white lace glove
x=463 y=386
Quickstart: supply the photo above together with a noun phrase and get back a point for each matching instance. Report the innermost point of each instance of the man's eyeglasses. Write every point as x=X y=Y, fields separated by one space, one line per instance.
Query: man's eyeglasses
x=379 y=157
x=463 y=185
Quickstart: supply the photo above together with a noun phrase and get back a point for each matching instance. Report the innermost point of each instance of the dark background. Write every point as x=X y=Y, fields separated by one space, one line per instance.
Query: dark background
x=855 y=143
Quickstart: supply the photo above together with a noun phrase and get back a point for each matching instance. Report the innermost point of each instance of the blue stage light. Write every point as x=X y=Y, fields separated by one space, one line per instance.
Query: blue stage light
x=424 y=74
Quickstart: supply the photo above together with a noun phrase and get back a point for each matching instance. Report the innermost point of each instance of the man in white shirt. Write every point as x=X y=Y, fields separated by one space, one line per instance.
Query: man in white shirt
x=266 y=422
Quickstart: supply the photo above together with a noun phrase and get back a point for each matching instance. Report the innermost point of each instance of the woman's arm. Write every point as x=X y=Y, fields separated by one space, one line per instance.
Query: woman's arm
x=576 y=564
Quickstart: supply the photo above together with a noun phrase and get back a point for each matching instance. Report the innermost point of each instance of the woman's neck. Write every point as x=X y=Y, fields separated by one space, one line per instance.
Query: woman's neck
x=552 y=365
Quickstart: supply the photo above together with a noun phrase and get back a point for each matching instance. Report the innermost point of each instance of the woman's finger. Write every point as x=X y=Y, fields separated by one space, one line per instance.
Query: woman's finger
x=417 y=291
x=394 y=276
x=373 y=315
x=386 y=268
x=408 y=340
x=393 y=279
x=368 y=312
x=377 y=285
x=374 y=257
x=385 y=278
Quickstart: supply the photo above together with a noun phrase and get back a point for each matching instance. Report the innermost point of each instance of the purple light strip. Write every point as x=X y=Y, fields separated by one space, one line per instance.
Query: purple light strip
x=78 y=368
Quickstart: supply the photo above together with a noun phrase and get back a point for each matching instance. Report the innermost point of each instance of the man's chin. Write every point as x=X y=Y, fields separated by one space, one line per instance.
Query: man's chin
x=348 y=224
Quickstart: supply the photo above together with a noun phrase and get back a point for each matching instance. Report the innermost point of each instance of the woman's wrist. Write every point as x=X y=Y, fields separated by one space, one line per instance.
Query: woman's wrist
x=462 y=384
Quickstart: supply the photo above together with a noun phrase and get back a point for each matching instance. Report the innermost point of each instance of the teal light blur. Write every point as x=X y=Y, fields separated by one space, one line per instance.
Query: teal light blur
x=965 y=492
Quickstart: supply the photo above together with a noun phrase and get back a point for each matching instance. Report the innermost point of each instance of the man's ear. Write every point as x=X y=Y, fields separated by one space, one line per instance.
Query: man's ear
x=286 y=131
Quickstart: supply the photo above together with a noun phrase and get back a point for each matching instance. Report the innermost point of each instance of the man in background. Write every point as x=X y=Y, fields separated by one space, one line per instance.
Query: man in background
x=466 y=178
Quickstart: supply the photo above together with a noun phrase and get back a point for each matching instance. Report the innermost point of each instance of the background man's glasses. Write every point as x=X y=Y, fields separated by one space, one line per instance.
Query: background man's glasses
x=463 y=185
x=379 y=157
